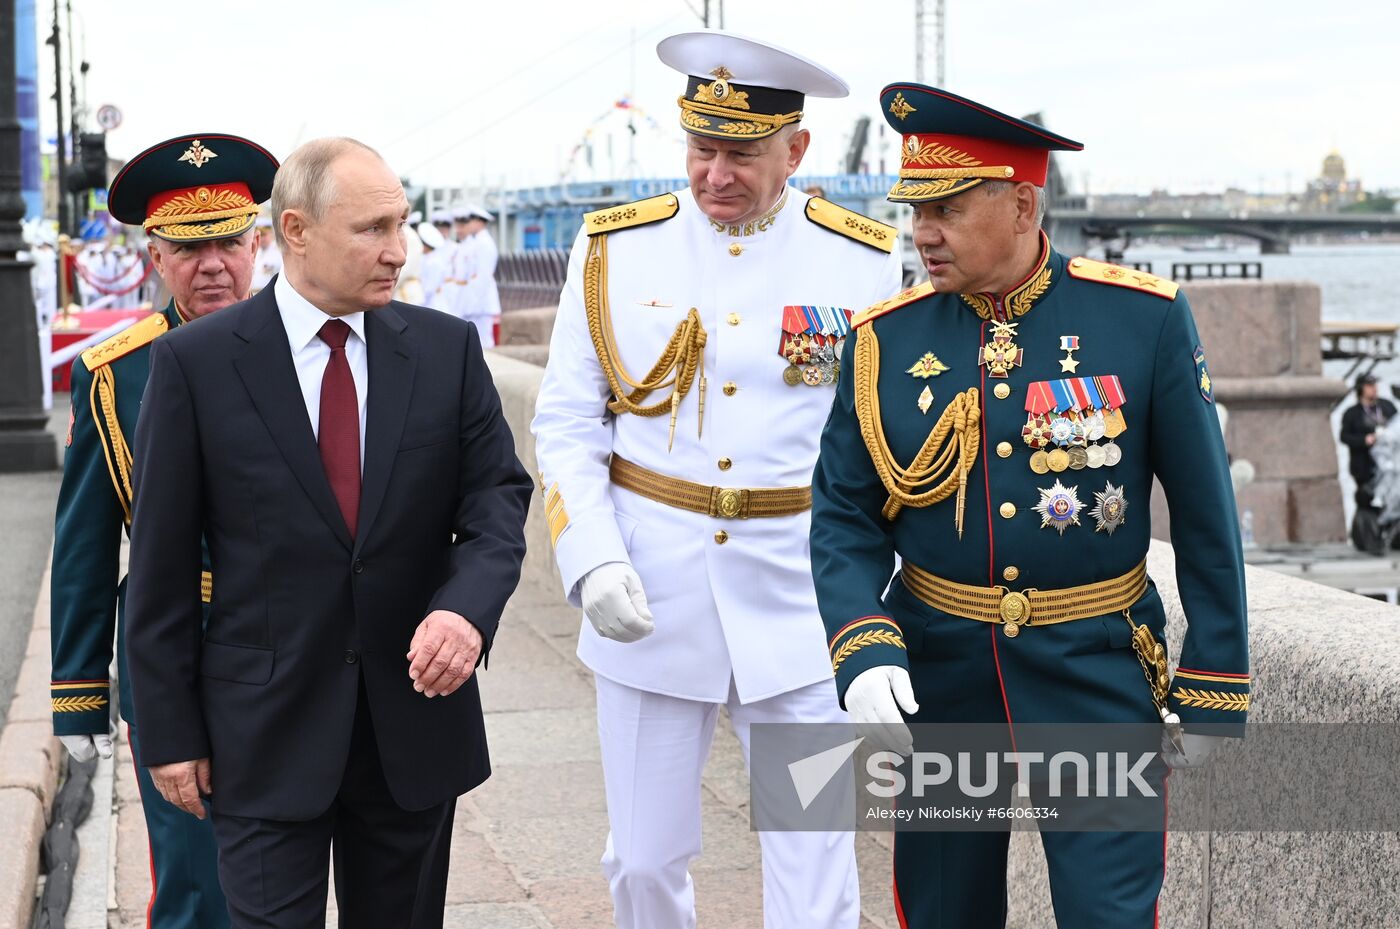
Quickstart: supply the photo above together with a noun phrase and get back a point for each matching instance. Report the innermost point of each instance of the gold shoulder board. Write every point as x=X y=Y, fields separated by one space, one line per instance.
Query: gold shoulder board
x=125 y=342
x=629 y=215
x=1087 y=269
x=903 y=298
x=852 y=225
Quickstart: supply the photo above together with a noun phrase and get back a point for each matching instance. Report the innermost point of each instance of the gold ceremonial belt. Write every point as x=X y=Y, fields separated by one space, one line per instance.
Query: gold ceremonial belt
x=721 y=502
x=1014 y=609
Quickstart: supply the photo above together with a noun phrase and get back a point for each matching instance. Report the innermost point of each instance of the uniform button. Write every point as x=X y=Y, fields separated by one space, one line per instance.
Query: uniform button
x=721 y=537
x=729 y=388
x=1003 y=449
x=1008 y=510
x=358 y=567
x=725 y=464
x=1002 y=391
x=351 y=656
x=736 y=249
x=1011 y=572
x=733 y=319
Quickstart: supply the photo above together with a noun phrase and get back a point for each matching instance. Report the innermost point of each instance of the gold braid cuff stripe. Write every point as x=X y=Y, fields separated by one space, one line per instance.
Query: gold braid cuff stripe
x=1212 y=699
x=676 y=368
x=78 y=704
x=718 y=502
x=1040 y=607
x=948 y=454
x=856 y=642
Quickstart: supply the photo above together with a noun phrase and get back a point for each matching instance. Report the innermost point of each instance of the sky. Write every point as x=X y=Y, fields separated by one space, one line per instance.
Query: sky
x=1193 y=95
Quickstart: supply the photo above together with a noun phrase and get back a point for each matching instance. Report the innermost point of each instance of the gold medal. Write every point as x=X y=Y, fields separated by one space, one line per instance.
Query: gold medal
x=792 y=375
x=812 y=376
x=1058 y=460
x=1112 y=454
x=1113 y=424
x=1078 y=458
x=1097 y=456
x=1040 y=462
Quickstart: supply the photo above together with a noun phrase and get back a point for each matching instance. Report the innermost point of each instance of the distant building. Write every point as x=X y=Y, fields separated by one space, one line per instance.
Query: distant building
x=1332 y=190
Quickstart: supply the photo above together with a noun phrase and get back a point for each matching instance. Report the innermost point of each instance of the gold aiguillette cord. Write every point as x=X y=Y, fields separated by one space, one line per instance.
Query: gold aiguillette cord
x=947 y=457
x=683 y=356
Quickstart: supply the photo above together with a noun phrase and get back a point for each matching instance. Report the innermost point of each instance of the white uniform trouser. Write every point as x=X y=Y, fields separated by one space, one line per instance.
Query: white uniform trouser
x=654 y=749
x=486 y=328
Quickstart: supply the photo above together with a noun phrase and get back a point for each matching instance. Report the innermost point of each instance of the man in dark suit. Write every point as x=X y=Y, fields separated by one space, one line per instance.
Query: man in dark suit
x=346 y=459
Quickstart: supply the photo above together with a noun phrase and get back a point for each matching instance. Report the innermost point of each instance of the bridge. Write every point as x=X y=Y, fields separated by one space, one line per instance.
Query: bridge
x=1274 y=231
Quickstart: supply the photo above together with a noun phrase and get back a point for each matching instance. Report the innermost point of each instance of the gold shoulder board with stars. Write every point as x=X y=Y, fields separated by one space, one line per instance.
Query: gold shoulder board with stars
x=1087 y=269
x=851 y=224
x=631 y=215
x=125 y=342
x=903 y=298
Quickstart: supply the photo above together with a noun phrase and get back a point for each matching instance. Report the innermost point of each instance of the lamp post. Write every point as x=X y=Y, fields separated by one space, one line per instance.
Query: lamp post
x=25 y=442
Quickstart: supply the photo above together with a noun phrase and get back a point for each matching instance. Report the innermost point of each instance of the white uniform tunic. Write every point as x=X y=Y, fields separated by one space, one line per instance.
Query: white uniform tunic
x=743 y=609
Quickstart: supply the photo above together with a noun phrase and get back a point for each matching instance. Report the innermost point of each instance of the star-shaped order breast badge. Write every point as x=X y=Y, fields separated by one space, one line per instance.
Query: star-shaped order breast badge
x=1059 y=507
x=1110 y=508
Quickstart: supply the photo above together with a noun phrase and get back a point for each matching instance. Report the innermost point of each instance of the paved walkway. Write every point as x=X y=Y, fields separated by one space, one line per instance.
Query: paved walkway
x=527 y=843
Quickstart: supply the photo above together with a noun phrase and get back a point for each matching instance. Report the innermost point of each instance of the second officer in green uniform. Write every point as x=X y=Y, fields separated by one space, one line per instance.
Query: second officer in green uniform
x=999 y=430
x=197 y=197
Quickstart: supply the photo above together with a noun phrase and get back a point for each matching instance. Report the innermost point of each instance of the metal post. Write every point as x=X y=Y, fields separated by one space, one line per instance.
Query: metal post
x=60 y=157
x=25 y=442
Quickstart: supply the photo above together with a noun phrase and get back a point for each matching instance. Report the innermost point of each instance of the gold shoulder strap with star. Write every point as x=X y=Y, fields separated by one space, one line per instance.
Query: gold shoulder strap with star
x=903 y=298
x=676 y=368
x=1087 y=269
x=942 y=466
x=102 y=398
x=852 y=225
x=630 y=215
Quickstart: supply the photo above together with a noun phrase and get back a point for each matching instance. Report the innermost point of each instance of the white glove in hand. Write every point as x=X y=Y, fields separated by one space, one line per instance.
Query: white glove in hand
x=87 y=747
x=615 y=604
x=1198 y=749
x=874 y=700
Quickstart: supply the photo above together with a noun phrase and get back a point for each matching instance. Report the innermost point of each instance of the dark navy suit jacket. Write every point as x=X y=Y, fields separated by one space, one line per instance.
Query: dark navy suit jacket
x=300 y=610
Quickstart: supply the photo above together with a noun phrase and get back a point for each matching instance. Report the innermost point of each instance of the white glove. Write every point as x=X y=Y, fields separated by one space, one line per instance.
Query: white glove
x=87 y=747
x=1198 y=748
x=615 y=604
x=874 y=700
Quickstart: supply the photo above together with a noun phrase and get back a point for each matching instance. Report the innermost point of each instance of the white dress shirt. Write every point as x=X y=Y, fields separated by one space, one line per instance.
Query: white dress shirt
x=303 y=322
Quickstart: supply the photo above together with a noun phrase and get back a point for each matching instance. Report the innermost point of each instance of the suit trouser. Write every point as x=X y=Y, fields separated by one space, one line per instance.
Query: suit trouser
x=654 y=749
x=185 y=891
x=390 y=863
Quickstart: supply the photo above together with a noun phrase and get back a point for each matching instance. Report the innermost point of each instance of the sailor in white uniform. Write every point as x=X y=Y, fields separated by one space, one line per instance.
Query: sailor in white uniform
x=484 y=301
x=268 y=262
x=692 y=366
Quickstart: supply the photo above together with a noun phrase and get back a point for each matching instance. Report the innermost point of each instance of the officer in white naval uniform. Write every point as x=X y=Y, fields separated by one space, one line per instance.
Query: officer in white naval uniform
x=484 y=300
x=450 y=295
x=698 y=596
x=268 y=263
x=435 y=265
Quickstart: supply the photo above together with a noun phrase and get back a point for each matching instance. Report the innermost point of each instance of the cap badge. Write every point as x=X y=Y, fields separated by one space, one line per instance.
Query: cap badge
x=198 y=155
x=900 y=107
x=720 y=93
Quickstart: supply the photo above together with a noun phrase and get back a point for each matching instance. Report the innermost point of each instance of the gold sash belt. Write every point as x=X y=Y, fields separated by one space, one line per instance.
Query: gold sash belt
x=1013 y=609
x=721 y=502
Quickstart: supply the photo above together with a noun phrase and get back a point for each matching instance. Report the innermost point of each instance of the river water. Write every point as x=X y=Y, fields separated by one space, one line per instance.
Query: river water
x=1359 y=281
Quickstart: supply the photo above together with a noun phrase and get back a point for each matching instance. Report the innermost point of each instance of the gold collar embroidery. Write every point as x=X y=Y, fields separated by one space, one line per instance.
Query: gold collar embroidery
x=754 y=226
x=1019 y=299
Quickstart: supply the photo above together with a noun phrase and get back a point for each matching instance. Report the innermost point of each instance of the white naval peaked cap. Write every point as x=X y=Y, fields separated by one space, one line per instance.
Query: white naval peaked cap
x=751 y=62
x=442 y=216
x=480 y=212
x=429 y=235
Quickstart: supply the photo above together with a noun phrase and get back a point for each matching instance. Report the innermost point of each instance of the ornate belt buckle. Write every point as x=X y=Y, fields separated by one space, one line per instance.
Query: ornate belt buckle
x=729 y=502
x=1015 y=611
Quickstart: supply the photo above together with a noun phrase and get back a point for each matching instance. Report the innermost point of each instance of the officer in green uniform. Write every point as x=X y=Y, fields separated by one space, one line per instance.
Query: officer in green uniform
x=197 y=197
x=999 y=431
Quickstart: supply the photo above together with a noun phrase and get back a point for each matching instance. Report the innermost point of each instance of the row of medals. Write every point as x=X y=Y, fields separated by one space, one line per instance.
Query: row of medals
x=1075 y=439
x=821 y=367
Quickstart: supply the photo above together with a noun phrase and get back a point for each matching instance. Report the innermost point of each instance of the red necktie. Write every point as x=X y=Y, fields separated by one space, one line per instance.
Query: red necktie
x=339 y=436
